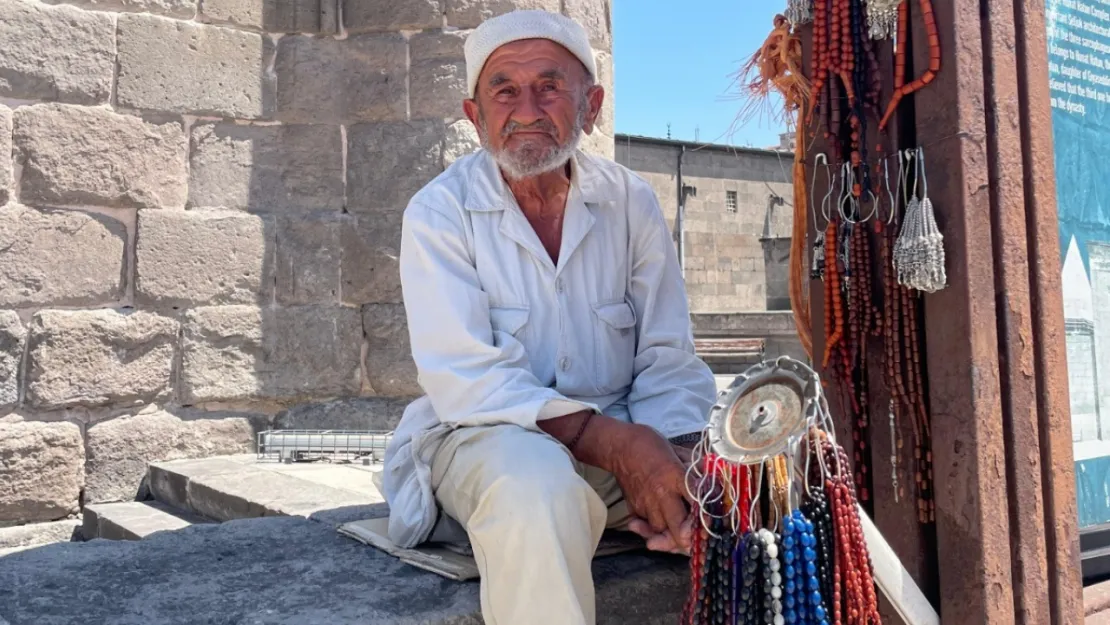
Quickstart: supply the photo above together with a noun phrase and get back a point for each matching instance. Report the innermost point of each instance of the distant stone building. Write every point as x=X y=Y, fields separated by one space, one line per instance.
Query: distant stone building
x=738 y=218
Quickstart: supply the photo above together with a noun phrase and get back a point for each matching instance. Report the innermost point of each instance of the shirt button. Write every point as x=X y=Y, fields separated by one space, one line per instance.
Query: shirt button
x=564 y=363
x=559 y=285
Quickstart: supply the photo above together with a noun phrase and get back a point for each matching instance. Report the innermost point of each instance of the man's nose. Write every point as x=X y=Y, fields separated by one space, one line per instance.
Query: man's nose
x=527 y=110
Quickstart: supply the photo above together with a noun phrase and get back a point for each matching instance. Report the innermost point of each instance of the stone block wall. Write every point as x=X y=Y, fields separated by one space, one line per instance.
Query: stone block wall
x=732 y=265
x=200 y=209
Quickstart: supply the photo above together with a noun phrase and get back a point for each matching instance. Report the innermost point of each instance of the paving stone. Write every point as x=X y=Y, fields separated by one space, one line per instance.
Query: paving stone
x=596 y=17
x=461 y=139
x=240 y=352
x=325 y=80
x=13 y=341
x=133 y=520
x=39 y=249
x=354 y=413
x=391 y=15
x=173 y=578
x=185 y=67
x=471 y=13
x=55 y=53
x=371 y=250
x=119 y=450
x=288 y=168
x=388 y=163
x=36 y=534
x=437 y=75
x=99 y=357
x=275 y=16
x=308 y=259
x=6 y=179
x=123 y=161
x=389 y=365
x=235 y=267
x=41 y=471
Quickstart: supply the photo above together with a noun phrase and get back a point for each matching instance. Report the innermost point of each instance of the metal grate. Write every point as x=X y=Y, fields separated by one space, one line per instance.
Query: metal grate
x=343 y=446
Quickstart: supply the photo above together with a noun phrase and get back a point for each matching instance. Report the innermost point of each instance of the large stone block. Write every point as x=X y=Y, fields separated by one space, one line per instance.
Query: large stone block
x=55 y=53
x=99 y=357
x=61 y=257
x=266 y=168
x=389 y=162
x=598 y=143
x=184 y=67
x=470 y=13
x=118 y=450
x=349 y=413
x=6 y=180
x=308 y=260
x=371 y=250
x=386 y=15
x=325 y=80
x=606 y=120
x=203 y=257
x=276 y=16
x=13 y=340
x=390 y=369
x=437 y=75
x=122 y=160
x=185 y=9
x=42 y=470
x=461 y=138
x=241 y=352
x=596 y=17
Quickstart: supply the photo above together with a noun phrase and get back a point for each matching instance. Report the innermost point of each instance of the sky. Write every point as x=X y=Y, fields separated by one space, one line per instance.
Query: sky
x=674 y=61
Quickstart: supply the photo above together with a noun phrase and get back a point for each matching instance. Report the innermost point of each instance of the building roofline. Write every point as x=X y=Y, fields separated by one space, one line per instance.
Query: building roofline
x=620 y=138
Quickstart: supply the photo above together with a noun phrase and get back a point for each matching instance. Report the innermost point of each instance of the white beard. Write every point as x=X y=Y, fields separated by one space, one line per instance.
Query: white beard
x=530 y=159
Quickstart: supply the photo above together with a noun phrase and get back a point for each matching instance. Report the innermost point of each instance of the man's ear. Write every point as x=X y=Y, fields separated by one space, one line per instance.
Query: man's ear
x=595 y=96
x=470 y=109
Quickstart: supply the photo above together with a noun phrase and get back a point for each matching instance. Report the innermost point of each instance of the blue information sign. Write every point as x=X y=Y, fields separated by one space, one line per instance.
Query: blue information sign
x=1079 y=71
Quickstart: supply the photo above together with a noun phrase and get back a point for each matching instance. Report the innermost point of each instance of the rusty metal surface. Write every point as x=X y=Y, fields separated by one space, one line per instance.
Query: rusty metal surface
x=1015 y=331
x=1057 y=463
x=972 y=517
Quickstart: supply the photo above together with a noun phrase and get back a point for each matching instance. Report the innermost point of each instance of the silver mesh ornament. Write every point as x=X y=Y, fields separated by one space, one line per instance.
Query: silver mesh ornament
x=882 y=18
x=919 y=251
x=799 y=12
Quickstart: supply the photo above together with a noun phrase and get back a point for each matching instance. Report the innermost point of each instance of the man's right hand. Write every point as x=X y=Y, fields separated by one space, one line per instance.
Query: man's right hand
x=647 y=467
x=652 y=477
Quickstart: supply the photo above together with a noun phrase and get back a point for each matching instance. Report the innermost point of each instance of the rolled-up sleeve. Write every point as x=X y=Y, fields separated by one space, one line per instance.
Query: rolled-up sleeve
x=672 y=389
x=472 y=374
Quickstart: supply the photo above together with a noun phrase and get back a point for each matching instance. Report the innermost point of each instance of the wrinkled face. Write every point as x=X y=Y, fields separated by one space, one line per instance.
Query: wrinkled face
x=533 y=101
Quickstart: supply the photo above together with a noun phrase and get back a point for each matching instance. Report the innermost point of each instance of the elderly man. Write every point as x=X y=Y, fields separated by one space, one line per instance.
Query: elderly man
x=550 y=329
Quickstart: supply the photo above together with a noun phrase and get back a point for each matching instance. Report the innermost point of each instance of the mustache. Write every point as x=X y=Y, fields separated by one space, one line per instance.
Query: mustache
x=540 y=125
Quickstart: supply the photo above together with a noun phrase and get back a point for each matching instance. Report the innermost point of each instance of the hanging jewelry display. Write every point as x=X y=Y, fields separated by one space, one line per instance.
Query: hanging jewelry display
x=882 y=18
x=799 y=12
x=779 y=538
x=919 y=253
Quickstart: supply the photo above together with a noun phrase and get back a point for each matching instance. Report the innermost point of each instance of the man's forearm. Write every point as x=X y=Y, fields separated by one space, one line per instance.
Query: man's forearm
x=593 y=445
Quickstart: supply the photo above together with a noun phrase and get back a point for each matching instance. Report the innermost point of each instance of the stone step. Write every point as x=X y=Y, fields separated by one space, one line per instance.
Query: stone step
x=285 y=570
x=239 y=487
x=133 y=520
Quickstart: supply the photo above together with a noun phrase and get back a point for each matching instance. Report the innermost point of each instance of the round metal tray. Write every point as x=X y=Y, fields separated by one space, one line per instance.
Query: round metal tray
x=765 y=411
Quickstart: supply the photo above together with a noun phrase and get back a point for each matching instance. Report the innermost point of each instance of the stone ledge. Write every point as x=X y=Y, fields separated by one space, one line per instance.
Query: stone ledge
x=272 y=571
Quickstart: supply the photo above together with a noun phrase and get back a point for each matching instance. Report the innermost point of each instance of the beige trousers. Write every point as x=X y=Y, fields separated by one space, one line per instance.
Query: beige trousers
x=535 y=516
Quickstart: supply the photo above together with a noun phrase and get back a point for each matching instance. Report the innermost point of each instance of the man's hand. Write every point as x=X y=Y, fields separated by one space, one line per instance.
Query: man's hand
x=649 y=469
x=653 y=478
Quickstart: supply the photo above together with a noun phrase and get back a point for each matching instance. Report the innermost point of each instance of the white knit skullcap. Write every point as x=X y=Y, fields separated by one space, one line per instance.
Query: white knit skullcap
x=525 y=24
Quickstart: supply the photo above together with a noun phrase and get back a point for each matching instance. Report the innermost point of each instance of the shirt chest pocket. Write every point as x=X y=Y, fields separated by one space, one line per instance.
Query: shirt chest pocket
x=509 y=320
x=614 y=345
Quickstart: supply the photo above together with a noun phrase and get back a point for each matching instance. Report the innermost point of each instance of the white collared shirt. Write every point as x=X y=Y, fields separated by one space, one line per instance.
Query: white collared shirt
x=500 y=333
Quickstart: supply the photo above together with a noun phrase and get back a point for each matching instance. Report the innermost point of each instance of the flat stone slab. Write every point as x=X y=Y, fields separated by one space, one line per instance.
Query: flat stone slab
x=21 y=537
x=238 y=487
x=133 y=520
x=283 y=571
